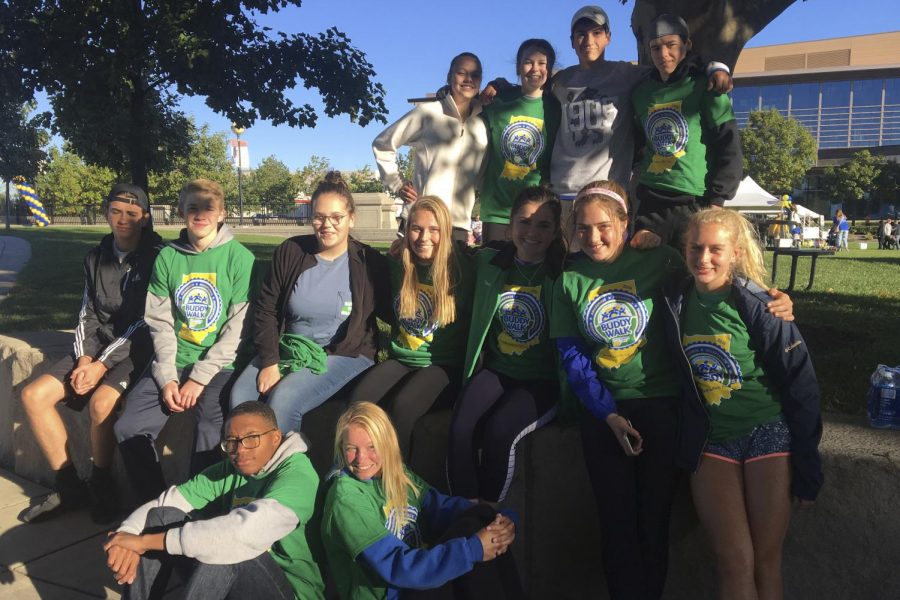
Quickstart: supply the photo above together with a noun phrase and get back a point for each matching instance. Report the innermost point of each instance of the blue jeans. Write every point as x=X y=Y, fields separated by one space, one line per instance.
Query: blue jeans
x=259 y=577
x=842 y=239
x=298 y=393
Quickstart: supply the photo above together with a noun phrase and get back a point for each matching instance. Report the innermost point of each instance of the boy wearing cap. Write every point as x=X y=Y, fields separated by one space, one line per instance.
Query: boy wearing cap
x=111 y=351
x=692 y=148
x=196 y=304
x=595 y=139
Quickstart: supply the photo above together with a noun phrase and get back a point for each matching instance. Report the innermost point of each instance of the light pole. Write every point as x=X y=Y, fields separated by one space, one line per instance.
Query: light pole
x=238 y=131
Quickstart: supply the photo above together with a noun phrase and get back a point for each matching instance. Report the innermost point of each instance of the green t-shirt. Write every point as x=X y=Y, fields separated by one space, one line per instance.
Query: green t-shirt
x=726 y=368
x=354 y=518
x=293 y=484
x=518 y=343
x=420 y=342
x=611 y=306
x=521 y=132
x=202 y=288
x=674 y=117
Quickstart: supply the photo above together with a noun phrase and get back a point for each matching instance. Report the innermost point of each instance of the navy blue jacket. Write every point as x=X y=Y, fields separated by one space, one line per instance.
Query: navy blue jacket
x=785 y=360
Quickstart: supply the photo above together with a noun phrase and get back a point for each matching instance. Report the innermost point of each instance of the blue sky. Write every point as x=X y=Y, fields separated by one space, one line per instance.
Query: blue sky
x=410 y=42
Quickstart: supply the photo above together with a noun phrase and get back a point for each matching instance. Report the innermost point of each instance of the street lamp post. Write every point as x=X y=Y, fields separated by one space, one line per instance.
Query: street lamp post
x=238 y=131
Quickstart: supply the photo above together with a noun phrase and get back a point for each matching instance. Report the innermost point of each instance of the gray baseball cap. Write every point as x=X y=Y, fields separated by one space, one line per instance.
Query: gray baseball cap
x=666 y=24
x=591 y=13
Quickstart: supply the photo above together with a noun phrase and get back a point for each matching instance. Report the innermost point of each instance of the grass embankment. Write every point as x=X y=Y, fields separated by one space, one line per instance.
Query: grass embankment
x=851 y=319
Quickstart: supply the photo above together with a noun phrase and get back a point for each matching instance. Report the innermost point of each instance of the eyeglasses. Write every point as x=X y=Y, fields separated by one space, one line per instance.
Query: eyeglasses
x=230 y=445
x=335 y=219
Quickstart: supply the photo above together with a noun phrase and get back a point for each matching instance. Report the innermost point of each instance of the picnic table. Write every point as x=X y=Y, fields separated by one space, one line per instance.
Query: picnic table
x=795 y=254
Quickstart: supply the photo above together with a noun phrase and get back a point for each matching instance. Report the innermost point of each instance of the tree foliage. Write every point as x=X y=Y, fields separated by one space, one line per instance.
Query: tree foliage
x=364 y=180
x=271 y=184
x=307 y=178
x=70 y=183
x=719 y=28
x=23 y=140
x=114 y=70
x=778 y=151
x=854 y=181
x=206 y=156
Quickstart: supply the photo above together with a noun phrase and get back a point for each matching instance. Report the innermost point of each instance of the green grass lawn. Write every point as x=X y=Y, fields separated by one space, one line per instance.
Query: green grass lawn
x=851 y=318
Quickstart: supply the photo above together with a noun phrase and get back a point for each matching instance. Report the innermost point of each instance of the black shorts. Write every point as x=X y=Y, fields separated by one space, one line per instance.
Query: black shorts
x=120 y=377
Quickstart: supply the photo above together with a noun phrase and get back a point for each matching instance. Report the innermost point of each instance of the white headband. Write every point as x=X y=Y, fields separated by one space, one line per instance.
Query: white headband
x=604 y=192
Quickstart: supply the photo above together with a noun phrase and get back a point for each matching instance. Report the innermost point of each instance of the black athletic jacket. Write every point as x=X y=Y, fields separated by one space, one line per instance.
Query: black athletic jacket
x=112 y=308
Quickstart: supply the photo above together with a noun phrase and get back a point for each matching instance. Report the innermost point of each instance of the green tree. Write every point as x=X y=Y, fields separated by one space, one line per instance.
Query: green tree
x=23 y=140
x=852 y=182
x=114 y=70
x=207 y=157
x=307 y=178
x=271 y=184
x=71 y=184
x=778 y=152
x=887 y=185
x=364 y=180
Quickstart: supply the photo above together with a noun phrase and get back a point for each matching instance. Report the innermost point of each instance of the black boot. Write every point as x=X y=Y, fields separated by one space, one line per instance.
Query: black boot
x=71 y=493
x=105 y=504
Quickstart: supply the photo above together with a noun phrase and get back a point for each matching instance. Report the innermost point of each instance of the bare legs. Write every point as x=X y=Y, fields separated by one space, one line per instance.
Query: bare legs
x=40 y=397
x=745 y=510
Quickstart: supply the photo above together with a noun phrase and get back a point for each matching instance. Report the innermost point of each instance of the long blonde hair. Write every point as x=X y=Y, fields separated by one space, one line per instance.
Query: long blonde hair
x=749 y=263
x=444 y=275
x=375 y=422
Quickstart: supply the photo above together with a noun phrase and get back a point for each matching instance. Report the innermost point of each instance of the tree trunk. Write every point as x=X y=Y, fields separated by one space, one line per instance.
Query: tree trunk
x=719 y=28
x=138 y=142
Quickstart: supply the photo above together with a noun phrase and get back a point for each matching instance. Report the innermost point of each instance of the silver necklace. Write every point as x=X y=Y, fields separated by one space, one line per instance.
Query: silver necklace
x=537 y=270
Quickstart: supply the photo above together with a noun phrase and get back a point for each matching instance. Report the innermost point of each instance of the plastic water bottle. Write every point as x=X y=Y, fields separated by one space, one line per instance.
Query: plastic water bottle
x=884 y=405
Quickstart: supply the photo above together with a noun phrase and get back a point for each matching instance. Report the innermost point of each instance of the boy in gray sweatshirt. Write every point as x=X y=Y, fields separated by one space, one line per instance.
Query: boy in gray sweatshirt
x=238 y=529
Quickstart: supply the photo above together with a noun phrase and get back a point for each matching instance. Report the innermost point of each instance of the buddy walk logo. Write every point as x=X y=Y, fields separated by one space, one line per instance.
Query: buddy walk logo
x=420 y=329
x=521 y=317
x=716 y=371
x=201 y=304
x=408 y=529
x=521 y=144
x=667 y=131
x=616 y=317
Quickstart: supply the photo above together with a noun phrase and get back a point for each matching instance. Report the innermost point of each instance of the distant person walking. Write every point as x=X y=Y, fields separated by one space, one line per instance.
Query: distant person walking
x=841 y=229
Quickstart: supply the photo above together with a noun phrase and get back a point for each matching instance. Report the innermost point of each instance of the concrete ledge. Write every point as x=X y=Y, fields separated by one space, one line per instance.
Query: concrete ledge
x=845 y=546
x=25 y=357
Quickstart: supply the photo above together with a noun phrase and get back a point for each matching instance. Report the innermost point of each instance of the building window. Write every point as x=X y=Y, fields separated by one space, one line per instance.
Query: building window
x=805 y=106
x=835 y=119
x=890 y=133
x=744 y=100
x=865 y=118
x=774 y=96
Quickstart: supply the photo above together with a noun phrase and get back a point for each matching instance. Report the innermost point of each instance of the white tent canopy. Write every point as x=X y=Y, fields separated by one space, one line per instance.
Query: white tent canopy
x=751 y=198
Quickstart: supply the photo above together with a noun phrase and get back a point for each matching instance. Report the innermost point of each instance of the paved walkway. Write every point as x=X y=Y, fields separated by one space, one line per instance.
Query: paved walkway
x=61 y=559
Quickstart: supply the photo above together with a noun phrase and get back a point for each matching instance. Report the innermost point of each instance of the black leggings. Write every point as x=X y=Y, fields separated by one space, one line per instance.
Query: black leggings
x=634 y=496
x=492 y=414
x=407 y=393
x=497 y=578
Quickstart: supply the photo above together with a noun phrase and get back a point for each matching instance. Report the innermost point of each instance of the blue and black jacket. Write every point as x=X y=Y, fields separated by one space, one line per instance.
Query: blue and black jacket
x=786 y=361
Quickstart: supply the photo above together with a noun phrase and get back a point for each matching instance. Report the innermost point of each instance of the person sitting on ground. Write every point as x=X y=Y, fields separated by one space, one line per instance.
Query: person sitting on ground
x=251 y=540
x=196 y=303
x=388 y=534
x=111 y=350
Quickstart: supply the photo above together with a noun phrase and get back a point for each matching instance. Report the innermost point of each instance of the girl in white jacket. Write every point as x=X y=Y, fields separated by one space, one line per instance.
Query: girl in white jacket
x=449 y=140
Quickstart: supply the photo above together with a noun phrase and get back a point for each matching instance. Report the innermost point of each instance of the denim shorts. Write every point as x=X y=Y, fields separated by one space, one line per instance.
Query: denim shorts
x=764 y=441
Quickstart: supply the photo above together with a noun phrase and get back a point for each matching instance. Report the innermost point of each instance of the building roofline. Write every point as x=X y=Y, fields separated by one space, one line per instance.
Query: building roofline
x=830 y=39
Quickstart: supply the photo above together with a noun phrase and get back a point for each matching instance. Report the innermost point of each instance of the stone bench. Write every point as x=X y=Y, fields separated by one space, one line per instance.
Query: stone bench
x=845 y=546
